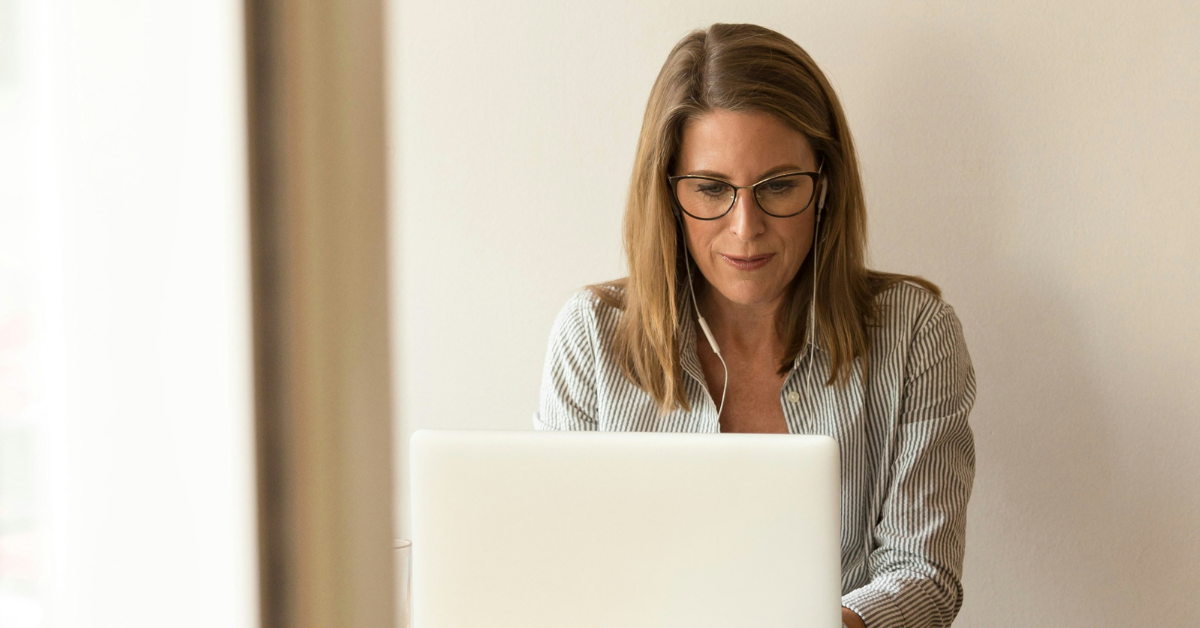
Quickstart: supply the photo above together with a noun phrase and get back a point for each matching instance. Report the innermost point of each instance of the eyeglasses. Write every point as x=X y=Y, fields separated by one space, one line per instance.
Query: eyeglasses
x=781 y=195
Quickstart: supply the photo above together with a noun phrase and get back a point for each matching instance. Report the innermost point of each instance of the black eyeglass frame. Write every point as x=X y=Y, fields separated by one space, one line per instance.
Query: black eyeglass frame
x=815 y=176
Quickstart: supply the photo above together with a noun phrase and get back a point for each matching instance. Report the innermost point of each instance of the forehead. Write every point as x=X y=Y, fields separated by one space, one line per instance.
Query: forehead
x=741 y=144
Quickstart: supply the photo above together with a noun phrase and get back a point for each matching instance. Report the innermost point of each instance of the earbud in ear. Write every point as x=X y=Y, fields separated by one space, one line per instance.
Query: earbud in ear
x=824 y=188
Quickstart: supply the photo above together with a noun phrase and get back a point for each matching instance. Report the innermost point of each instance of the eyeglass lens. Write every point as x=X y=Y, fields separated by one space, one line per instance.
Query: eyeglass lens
x=710 y=198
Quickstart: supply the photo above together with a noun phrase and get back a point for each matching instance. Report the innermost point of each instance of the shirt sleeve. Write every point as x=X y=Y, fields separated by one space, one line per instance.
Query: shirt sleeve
x=568 y=396
x=916 y=564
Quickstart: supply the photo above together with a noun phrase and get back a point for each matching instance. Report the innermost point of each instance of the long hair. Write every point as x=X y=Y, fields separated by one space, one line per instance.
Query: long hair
x=742 y=67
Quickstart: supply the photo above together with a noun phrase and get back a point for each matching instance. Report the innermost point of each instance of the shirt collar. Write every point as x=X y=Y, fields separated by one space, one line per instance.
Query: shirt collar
x=687 y=339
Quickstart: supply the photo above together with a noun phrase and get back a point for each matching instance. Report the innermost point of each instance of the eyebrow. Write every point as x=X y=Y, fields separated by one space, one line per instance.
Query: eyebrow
x=773 y=171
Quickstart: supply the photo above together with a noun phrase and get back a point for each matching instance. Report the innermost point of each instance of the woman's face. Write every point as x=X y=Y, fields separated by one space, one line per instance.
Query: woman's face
x=748 y=256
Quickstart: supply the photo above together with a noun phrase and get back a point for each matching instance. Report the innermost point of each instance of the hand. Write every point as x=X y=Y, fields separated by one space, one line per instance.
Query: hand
x=851 y=619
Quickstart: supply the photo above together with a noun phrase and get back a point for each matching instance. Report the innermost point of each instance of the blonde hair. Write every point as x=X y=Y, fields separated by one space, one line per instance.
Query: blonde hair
x=741 y=67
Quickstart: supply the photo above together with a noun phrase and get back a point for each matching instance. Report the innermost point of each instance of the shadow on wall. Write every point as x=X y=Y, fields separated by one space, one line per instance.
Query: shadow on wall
x=1069 y=523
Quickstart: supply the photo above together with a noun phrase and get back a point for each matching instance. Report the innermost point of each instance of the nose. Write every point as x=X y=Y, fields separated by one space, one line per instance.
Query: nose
x=747 y=220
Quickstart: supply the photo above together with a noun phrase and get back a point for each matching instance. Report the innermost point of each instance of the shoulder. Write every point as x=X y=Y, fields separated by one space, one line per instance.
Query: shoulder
x=591 y=312
x=920 y=328
x=909 y=305
x=906 y=311
x=595 y=303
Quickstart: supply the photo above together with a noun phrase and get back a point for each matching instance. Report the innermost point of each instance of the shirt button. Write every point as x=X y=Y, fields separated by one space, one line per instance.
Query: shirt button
x=793 y=396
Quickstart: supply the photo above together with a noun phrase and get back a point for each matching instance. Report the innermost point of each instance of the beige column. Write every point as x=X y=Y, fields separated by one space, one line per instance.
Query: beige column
x=319 y=252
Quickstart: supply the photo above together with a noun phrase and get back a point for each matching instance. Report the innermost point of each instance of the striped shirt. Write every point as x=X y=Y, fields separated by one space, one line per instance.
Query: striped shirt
x=907 y=451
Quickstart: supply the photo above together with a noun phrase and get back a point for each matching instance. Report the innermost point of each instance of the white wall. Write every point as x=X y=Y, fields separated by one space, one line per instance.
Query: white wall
x=125 y=317
x=1038 y=162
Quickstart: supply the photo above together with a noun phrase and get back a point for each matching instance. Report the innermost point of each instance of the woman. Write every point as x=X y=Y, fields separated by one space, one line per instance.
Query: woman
x=746 y=219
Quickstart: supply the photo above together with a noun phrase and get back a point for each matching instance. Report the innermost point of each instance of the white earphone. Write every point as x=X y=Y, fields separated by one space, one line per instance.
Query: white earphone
x=712 y=342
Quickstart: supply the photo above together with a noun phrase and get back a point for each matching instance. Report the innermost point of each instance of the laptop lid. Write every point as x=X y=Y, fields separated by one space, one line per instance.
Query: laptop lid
x=628 y=530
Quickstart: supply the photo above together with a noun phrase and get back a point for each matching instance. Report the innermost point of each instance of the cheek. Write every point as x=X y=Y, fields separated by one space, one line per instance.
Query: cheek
x=700 y=236
x=798 y=239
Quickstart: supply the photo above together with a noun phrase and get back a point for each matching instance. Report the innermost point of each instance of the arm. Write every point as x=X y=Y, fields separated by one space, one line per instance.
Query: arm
x=568 y=396
x=916 y=564
x=850 y=619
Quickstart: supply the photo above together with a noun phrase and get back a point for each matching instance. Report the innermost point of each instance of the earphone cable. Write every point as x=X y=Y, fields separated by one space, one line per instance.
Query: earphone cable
x=707 y=334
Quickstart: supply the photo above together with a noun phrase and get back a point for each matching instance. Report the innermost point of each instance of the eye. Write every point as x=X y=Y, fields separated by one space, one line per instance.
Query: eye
x=779 y=186
x=713 y=189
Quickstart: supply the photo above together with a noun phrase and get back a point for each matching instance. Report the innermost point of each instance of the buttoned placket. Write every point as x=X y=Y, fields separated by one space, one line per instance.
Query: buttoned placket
x=798 y=386
x=795 y=389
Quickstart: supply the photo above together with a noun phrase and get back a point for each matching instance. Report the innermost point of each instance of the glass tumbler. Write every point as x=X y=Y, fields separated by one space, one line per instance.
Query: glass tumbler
x=403 y=554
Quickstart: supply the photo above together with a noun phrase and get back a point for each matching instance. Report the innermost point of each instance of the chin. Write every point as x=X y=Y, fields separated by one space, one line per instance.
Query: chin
x=751 y=294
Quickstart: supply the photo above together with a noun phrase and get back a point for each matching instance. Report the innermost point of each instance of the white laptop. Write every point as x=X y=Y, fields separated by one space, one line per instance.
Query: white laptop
x=624 y=530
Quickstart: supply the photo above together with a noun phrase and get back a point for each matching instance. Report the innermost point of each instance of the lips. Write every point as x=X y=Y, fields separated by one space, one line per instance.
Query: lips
x=747 y=263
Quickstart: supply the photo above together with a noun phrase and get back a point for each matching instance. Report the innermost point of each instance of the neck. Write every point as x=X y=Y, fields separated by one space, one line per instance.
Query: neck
x=740 y=328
